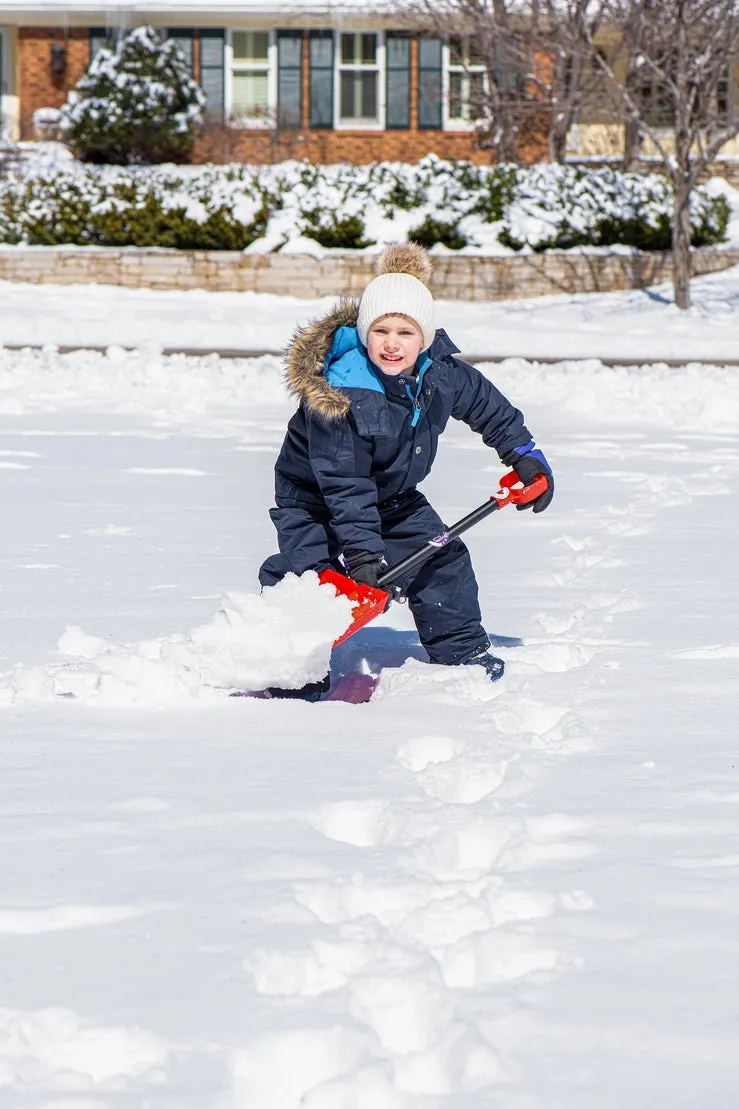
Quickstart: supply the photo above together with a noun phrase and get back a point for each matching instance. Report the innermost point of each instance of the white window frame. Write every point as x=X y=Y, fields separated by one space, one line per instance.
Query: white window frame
x=379 y=68
x=270 y=121
x=449 y=68
x=10 y=126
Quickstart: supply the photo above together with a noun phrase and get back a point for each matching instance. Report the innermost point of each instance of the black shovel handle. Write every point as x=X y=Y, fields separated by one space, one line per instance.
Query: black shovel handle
x=438 y=543
x=507 y=494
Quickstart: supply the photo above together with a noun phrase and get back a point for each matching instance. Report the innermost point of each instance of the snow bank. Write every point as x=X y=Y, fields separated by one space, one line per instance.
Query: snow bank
x=226 y=397
x=282 y=637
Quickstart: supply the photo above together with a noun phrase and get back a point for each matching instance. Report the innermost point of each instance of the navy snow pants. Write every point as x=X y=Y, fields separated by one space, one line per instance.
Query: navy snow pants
x=442 y=594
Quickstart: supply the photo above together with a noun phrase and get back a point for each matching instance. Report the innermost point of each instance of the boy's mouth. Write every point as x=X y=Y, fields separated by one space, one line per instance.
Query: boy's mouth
x=392 y=357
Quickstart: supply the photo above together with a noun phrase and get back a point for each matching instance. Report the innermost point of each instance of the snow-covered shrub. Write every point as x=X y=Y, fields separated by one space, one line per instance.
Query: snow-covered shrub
x=128 y=210
x=433 y=231
x=457 y=205
x=333 y=230
x=492 y=188
x=136 y=104
x=558 y=207
x=46 y=124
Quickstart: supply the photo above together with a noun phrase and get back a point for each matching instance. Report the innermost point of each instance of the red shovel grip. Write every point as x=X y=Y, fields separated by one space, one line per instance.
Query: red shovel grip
x=510 y=493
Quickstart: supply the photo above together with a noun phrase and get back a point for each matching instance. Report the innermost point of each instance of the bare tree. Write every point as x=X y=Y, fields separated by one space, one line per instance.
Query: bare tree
x=566 y=74
x=497 y=38
x=536 y=57
x=668 y=66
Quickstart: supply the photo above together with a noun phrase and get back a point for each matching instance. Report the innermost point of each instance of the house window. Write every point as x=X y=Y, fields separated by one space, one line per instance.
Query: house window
x=101 y=38
x=359 y=73
x=466 y=83
x=655 y=102
x=724 y=96
x=251 y=99
x=430 y=84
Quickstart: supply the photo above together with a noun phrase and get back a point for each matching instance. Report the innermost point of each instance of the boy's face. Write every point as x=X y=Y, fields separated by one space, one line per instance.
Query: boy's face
x=394 y=344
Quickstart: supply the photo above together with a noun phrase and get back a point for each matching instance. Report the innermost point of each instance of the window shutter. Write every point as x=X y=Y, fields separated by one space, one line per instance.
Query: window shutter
x=184 y=37
x=212 y=71
x=289 y=78
x=430 y=85
x=321 y=79
x=397 y=82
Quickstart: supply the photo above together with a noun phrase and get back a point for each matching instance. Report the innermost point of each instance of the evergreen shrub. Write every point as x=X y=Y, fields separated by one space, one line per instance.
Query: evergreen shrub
x=334 y=231
x=346 y=207
x=433 y=231
x=135 y=104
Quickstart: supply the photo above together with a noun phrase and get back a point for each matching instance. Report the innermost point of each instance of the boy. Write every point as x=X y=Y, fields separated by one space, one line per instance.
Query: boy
x=377 y=384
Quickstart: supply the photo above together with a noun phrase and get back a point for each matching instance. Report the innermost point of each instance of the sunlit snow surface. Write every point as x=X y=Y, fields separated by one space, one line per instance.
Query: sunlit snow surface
x=460 y=895
x=642 y=324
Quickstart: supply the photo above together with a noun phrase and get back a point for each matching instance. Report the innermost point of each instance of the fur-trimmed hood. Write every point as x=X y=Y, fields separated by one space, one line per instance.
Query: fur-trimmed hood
x=306 y=358
x=310 y=347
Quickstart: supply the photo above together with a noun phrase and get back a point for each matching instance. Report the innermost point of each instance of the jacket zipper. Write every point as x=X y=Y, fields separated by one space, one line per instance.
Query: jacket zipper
x=417 y=410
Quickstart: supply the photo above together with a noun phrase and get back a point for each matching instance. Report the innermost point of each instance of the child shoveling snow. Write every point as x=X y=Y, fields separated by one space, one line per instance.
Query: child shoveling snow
x=377 y=384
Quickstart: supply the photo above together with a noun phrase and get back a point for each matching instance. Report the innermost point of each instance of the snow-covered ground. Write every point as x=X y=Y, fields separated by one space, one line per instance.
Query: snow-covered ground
x=458 y=896
x=643 y=324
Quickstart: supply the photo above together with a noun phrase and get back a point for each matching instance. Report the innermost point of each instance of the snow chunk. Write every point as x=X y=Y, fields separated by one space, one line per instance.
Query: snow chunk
x=282 y=637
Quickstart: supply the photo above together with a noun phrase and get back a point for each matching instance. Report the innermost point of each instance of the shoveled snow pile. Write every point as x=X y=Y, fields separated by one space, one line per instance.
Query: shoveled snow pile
x=281 y=637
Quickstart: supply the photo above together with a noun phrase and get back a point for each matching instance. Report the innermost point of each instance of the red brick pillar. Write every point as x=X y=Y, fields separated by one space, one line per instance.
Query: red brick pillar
x=38 y=86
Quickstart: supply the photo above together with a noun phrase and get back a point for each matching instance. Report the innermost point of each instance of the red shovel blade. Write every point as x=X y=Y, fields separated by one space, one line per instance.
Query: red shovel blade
x=367 y=602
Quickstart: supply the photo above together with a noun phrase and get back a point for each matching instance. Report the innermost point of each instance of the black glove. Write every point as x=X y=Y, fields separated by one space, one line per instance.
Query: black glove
x=365 y=566
x=527 y=466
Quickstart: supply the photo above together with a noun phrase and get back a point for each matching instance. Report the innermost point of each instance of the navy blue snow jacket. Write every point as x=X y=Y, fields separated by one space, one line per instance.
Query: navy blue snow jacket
x=361 y=437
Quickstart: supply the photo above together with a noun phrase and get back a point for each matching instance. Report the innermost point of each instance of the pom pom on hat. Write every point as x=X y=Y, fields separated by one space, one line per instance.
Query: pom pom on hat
x=409 y=258
x=400 y=289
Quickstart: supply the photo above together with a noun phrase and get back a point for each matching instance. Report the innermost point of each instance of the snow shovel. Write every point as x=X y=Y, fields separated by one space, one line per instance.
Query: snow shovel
x=368 y=601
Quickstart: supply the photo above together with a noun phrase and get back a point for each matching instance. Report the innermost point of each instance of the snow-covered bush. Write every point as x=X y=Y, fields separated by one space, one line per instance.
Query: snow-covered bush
x=433 y=231
x=334 y=231
x=445 y=205
x=127 y=210
x=136 y=104
x=558 y=207
x=46 y=124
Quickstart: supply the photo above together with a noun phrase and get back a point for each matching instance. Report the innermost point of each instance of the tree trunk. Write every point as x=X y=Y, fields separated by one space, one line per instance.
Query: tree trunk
x=632 y=144
x=681 y=233
x=508 y=139
x=558 y=136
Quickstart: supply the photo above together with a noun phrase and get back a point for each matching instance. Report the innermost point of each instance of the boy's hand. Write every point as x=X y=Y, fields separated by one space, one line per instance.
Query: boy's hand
x=365 y=566
x=527 y=467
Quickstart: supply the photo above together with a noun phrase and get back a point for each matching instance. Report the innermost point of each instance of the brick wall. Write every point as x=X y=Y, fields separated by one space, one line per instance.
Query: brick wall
x=347 y=273
x=39 y=88
x=227 y=144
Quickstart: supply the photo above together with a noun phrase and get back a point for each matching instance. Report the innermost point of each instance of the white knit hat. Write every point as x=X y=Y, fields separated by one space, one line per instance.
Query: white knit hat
x=401 y=289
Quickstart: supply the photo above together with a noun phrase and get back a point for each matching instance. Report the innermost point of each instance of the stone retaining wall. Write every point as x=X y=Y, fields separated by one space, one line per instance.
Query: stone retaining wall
x=456 y=277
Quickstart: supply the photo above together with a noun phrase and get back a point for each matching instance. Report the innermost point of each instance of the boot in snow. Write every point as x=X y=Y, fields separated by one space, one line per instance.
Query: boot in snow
x=311 y=691
x=494 y=666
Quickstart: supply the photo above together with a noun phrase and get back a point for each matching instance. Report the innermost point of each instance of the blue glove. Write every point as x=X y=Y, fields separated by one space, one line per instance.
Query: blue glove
x=528 y=461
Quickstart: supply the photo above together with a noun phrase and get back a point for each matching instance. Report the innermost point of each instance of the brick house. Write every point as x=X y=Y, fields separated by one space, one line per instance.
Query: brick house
x=326 y=80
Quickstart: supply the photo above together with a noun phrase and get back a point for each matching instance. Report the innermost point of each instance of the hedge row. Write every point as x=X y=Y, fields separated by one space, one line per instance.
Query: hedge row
x=456 y=205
